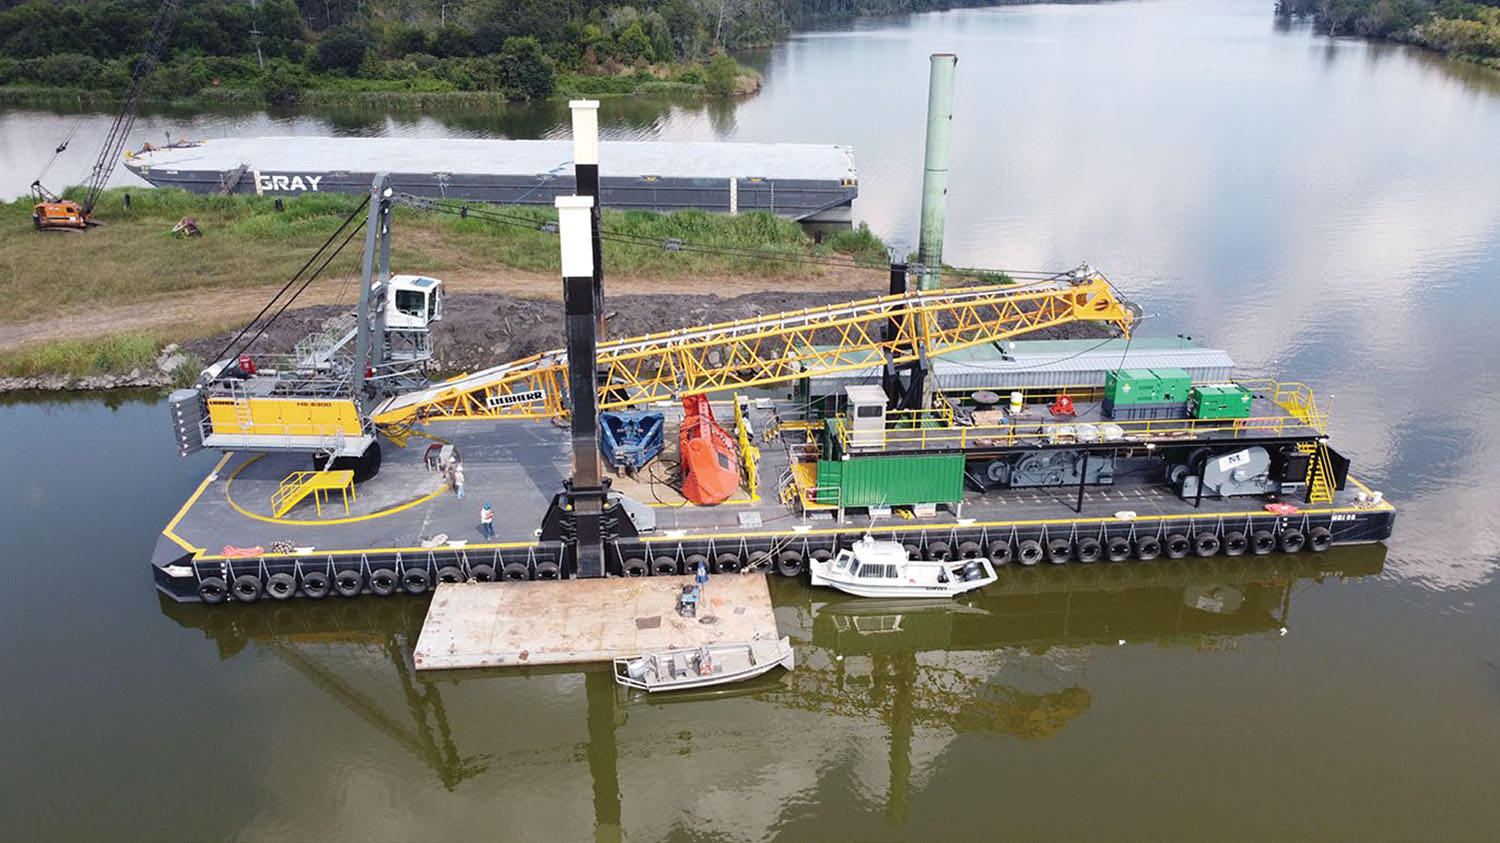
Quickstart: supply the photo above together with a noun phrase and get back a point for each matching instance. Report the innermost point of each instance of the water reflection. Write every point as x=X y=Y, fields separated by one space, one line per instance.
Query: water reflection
x=1006 y=663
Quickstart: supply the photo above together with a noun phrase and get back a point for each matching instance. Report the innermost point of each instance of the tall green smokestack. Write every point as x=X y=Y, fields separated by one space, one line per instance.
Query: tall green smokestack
x=935 y=168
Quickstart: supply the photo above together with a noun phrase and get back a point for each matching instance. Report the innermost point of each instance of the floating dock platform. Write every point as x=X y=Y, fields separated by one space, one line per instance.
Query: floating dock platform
x=505 y=624
x=809 y=182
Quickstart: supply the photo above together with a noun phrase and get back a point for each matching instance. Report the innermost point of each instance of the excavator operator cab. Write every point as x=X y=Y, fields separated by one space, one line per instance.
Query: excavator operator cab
x=413 y=301
x=51 y=211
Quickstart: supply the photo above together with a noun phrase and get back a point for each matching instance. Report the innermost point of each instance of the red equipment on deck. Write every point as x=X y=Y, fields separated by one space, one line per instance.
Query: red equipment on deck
x=1063 y=406
x=710 y=463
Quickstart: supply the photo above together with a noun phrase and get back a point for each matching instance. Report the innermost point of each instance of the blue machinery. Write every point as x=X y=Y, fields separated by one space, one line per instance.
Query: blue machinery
x=631 y=438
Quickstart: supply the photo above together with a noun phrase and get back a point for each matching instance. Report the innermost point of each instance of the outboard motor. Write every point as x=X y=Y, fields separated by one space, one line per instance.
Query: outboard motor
x=972 y=571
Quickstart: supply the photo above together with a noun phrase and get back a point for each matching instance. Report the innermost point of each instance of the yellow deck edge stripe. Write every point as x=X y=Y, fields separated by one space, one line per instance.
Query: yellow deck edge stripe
x=168 y=530
x=291 y=522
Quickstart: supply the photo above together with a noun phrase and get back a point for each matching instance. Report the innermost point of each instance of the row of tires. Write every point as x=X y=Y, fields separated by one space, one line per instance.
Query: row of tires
x=383 y=582
x=351 y=582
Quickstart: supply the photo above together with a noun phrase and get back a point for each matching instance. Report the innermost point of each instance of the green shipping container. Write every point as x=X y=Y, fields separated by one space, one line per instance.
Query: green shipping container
x=1219 y=402
x=1172 y=385
x=893 y=481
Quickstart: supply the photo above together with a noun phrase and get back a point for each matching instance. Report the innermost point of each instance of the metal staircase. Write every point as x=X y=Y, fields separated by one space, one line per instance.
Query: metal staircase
x=1319 y=472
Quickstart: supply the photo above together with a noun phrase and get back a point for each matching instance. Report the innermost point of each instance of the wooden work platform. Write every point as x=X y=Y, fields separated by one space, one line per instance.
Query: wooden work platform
x=587 y=620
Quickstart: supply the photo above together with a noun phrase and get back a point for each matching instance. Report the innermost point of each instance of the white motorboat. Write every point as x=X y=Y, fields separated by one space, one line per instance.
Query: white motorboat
x=875 y=568
x=702 y=667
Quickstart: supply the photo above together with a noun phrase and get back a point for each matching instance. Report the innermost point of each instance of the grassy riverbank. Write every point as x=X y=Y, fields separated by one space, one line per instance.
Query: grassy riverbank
x=105 y=300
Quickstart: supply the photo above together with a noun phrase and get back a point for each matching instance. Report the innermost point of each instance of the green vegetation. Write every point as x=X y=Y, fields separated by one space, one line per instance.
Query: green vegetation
x=113 y=354
x=144 y=286
x=1464 y=30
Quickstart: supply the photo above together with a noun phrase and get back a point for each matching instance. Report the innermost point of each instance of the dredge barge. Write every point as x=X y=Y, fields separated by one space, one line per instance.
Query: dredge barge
x=814 y=183
x=346 y=473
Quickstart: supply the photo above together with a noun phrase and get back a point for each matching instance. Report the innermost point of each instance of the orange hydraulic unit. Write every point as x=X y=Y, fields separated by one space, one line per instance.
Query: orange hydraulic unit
x=710 y=464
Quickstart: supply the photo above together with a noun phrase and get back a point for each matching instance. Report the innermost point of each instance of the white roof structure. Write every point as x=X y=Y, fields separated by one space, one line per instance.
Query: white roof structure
x=512 y=157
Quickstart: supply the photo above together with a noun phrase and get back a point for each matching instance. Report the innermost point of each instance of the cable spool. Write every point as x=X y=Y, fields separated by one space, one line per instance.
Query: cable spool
x=1205 y=544
x=634 y=566
x=1319 y=539
x=1147 y=547
x=515 y=572
x=316 y=584
x=247 y=588
x=212 y=590
x=1058 y=551
x=383 y=582
x=348 y=583
x=1088 y=549
x=1177 y=546
x=1235 y=543
x=1117 y=549
x=664 y=566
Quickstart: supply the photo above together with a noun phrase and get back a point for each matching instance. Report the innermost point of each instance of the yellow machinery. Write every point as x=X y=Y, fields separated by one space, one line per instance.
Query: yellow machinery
x=769 y=350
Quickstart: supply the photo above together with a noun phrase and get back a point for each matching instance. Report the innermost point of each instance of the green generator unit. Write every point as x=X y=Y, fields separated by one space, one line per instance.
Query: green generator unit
x=1136 y=394
x=1220 y=401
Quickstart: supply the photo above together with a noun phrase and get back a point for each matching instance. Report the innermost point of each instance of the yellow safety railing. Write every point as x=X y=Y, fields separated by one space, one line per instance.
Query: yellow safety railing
x=749 y=454
x=1319 y=473
x=936 y=428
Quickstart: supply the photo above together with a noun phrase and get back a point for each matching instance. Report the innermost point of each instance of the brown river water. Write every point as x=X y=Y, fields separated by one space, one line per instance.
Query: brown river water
x=1326 y=210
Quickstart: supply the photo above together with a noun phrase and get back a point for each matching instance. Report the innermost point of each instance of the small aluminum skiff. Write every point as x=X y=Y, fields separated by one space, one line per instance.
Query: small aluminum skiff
x=702 y=667
x=882 y=569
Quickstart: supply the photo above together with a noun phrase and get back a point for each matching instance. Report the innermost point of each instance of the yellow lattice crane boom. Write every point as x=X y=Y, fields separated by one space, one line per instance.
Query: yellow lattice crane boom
x=771 y=349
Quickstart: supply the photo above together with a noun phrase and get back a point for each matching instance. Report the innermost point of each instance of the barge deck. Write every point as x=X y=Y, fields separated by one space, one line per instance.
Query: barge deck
x=406 y=530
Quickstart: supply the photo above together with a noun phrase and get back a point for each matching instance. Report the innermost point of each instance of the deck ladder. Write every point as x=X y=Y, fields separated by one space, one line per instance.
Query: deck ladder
x=1319 y=472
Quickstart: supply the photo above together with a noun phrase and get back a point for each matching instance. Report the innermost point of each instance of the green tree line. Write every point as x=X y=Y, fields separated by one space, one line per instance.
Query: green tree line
x=524 y=49
x=1460 y=28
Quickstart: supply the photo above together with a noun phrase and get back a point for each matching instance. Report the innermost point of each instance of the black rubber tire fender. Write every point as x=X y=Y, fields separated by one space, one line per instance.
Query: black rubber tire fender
x=1147 y=547
x=548 y=569
x=281 y=586
x=664 y=566
x=1262 y=542
x=1235 y=543
x=1206 y=545
x=1088 y=549
x=348 y=583
x=1001 y=553
x=727 y=563
x=316 y=584
x=483 y=572
x=416 y=580
x=1117 y=549
x=691 y=561
x=383 y=582
x=1319 y=539
x=515 y=571
x=451 y=574
x=939 y=551
x=912 y=550
x=634 y=566
x=213 y=590
x=1058 y=551
x=789 y=563
x=821 y=554
x=758 y=560
x=1291 y=540
x=247 y=588
x=1029 y=552
x=1177 y=546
